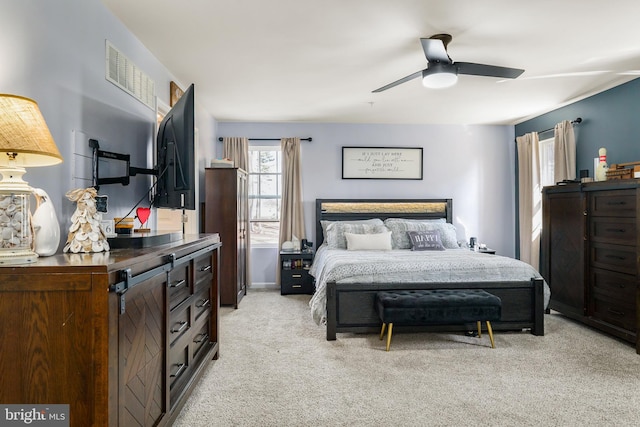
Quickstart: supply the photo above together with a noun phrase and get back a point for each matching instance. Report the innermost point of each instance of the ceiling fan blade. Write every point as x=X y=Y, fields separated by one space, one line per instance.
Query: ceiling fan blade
x=397 y=82
x=435 y=50
x=487 y=70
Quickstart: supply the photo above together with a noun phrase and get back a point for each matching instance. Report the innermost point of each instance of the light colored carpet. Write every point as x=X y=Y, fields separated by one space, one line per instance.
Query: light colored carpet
x=277 y=369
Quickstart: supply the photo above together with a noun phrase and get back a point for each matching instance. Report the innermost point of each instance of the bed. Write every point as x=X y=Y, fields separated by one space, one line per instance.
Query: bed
x=347 y=280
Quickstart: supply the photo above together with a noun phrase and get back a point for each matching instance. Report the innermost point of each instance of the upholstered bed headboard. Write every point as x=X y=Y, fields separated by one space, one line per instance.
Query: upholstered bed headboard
x=356 y=209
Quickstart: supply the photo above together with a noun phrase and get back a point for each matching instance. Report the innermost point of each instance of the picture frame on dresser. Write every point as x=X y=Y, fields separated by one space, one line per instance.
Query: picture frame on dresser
x=382 y=163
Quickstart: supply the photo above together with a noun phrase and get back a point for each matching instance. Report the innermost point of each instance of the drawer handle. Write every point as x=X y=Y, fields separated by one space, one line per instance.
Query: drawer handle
x=181 y=367
x=616 y=257
x=619 y=203
x=297 y=276
x=616 y=312
x=296 y=286
x=203 y=303
x=200 y=338
x=183 y=325
x=177 y=284
x=616 y=230
x=207 y=268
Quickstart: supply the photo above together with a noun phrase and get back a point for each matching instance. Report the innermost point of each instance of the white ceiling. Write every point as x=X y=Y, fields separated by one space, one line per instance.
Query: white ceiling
x=319 y=60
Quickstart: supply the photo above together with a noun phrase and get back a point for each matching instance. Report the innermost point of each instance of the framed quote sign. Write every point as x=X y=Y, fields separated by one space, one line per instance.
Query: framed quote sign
x=381 y=163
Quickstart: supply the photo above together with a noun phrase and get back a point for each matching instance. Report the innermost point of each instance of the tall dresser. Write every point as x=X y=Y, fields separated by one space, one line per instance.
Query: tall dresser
x=226 y=212
x=590 y=254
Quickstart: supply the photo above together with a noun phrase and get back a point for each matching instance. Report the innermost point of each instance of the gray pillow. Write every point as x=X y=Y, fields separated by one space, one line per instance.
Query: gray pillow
x=400 y=238
x=425 y=241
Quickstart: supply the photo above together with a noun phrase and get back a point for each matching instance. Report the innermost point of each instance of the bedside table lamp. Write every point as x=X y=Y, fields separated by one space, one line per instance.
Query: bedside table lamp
x=25 y=141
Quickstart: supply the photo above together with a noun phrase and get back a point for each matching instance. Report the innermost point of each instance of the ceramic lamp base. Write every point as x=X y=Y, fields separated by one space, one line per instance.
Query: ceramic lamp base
x=17 y=257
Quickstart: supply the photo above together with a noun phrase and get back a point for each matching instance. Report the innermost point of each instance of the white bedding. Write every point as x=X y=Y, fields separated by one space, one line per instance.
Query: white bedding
x=406 y=266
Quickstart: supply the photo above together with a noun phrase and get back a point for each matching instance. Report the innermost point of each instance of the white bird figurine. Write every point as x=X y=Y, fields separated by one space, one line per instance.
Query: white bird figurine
x=45 y=225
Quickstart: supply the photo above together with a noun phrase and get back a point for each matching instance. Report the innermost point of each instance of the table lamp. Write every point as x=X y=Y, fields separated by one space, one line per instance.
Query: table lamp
x=25 y=141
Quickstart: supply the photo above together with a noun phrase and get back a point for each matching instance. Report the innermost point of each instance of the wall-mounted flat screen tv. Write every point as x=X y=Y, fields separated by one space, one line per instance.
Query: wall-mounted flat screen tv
x=175 y=156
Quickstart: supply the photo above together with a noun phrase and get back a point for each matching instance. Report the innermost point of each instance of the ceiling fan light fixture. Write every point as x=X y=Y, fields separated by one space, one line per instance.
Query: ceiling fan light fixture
x=439 y=77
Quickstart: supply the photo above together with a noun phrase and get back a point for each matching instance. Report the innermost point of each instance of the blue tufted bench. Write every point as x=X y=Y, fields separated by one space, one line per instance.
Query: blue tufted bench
x=437 y=307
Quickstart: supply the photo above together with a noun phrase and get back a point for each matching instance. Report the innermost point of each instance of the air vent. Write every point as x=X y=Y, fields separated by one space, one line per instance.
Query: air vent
x=128 y=77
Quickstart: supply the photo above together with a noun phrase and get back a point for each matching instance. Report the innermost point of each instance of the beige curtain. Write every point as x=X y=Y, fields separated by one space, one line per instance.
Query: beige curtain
x=291 y=209
x=530 y=198
x=564 y=152
x=236 y=149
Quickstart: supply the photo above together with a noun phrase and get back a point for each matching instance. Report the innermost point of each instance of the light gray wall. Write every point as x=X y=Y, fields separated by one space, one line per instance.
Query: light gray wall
x=473 y=165
x=54 y=52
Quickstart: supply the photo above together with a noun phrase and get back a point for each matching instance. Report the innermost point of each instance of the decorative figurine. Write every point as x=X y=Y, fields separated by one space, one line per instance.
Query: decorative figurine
x=45 y=225
x=85 y=233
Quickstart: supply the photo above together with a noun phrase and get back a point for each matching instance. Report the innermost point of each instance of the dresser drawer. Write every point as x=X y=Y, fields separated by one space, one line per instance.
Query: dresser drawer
x=611 y=285
x=201 y=339
x=295 y=275
x=201 y=303
x=614 y=257
x=179 y=323
x=203 y=267
x=178 y=370
x=621 y=231
x=614 y=312
x=178 y=286
x=620 y=203
x=297 y=288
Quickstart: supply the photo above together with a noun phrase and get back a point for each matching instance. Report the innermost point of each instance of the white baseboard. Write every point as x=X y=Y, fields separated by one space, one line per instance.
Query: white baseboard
x=264 y=285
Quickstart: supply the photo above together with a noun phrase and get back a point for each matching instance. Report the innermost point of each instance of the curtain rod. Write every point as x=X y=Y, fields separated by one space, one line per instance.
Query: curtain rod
x=270 y=139
x=574 y=122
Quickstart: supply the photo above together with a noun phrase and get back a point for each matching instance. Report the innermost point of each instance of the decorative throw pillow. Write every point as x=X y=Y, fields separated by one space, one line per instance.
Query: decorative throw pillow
x=325 y=224
x=400 y=227
x=335 y=232
x=425 y=241
x=369 y=242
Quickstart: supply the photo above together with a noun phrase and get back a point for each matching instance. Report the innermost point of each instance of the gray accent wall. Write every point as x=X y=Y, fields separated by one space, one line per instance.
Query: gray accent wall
x=473 y=165
x=54 y=53
x=610 y=119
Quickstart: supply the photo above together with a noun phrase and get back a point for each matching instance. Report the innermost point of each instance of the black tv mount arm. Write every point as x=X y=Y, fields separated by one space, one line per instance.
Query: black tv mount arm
x=124 y=180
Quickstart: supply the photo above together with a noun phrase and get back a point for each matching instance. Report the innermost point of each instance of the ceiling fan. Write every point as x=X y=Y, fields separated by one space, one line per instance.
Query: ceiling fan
x=442 y=72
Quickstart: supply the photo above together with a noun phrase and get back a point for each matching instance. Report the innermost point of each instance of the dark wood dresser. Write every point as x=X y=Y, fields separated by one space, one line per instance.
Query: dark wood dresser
x=226 y=212
x=122 y=337
x=590 y=254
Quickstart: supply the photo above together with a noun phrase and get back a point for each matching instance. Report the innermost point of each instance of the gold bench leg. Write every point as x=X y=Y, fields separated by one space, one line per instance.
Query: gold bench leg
x=389 y=336
x=479 y=329
x=490 y=334
x=384 y=325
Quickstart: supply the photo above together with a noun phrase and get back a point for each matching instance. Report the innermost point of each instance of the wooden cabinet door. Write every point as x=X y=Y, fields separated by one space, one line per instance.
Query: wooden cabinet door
x=142 y=346
x=564 y=237
x=243 y=233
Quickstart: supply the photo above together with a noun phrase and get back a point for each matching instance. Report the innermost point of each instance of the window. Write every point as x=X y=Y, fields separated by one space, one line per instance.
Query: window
x=265 y=194
x=546 y=162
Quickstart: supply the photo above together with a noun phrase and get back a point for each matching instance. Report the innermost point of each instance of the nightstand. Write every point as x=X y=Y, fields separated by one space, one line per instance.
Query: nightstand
x=487 y=251
x=294 y=273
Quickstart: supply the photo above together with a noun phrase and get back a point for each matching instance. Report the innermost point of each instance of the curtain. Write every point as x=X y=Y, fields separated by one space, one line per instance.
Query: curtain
x=564 y=152
x=530 y=198
x=236 y=149
x=291 y=208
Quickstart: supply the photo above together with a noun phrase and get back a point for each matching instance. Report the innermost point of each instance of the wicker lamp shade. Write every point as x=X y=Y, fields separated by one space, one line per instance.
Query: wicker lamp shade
x=23 y=131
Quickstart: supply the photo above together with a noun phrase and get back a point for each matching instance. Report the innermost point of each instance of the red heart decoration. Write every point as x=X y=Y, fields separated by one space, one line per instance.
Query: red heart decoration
x=143 y=214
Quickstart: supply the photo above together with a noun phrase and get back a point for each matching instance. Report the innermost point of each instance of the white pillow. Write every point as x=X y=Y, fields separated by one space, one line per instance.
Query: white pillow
x=369 y=242
x=335 y=238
